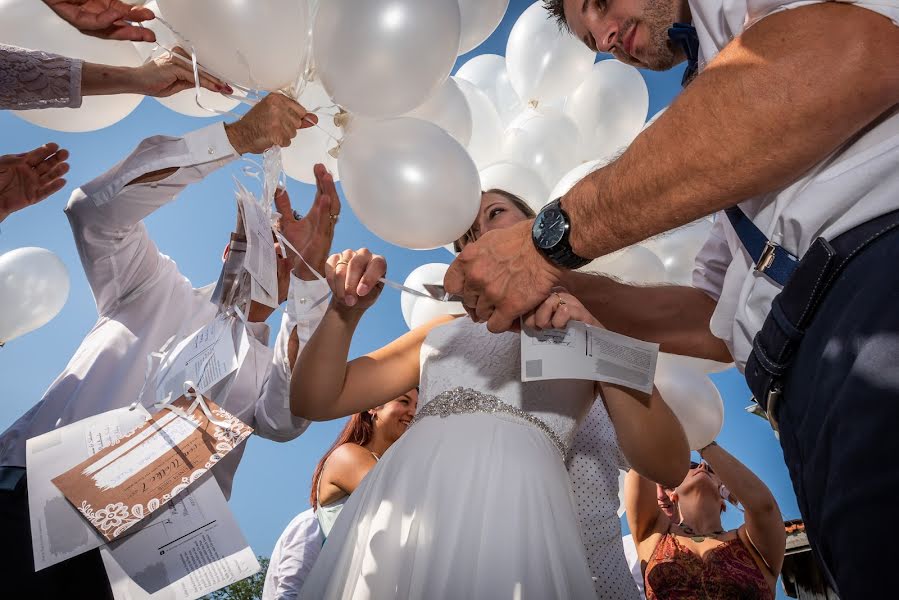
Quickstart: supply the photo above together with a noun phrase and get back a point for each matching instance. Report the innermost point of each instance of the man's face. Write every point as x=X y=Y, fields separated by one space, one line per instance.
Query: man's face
x=633 y=31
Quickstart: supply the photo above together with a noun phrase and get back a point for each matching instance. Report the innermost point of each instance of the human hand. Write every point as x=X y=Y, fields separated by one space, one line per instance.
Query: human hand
x=559 y=308
x=107 y=19
x=313 y=234
x=501 y=276
x=274 y=121
x=354 y=277
x=28 y=178
x=167 y=74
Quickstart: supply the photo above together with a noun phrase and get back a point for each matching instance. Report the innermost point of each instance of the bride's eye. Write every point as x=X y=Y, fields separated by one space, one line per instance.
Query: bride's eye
x=495 y=212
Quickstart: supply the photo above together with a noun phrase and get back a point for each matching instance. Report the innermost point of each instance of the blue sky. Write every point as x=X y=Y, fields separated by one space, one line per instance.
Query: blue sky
x=272 y=484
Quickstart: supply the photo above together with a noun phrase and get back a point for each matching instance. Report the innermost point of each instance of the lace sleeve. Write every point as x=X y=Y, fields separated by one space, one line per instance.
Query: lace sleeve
x=35 y=79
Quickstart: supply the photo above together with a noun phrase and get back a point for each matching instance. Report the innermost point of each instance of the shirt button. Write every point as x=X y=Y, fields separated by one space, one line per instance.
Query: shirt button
x=302 y=301
x=211 y=150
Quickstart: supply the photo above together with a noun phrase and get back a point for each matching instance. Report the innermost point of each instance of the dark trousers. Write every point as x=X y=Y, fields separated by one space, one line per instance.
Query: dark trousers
x=81 y=577
x=839 y=423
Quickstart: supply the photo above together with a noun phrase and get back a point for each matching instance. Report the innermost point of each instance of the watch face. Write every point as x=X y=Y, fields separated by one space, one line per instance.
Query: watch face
x=549 y=228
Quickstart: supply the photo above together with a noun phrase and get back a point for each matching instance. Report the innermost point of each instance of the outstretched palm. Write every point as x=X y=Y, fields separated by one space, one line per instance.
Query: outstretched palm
x=28 y=178
x=313 y=234
x=107 y=19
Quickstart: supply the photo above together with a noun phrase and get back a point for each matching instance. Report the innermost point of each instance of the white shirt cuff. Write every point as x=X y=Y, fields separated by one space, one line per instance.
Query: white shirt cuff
x=209 y=144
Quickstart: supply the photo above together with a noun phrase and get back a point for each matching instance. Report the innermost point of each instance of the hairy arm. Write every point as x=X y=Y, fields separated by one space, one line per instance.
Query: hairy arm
x=676 y=317
x=764 y=523
x=777 y=100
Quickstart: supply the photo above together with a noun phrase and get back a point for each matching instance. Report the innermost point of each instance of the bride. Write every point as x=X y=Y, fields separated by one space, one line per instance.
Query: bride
x=474 y=500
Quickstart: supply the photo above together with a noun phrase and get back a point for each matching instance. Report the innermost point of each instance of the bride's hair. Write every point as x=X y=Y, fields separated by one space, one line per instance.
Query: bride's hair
x=516 y=200
x=358 y=430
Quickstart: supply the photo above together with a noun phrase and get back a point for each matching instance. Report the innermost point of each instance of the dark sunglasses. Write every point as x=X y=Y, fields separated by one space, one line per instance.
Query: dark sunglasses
x=696 y=465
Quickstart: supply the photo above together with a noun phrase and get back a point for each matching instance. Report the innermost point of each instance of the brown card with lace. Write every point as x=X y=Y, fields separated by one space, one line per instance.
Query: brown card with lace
x=125 y=483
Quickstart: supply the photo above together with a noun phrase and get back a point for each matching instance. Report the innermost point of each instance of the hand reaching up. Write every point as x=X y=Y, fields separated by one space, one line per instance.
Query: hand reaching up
x=107 y=19
x=28 y=178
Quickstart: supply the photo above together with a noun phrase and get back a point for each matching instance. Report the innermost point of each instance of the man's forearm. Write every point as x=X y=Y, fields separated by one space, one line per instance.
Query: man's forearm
x=676 y=317
x=776 y=101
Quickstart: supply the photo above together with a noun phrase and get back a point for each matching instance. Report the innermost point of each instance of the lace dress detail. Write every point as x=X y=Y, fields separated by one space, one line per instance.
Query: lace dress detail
x=491 y=364
x=34 y=79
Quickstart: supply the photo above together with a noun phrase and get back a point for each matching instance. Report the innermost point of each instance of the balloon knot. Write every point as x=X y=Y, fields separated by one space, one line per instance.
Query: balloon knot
x=342 y=118
x=533 y=104
x=334 y=152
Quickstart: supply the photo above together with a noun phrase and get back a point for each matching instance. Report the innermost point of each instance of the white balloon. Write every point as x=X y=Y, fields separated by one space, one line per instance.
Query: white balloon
x=417 y=310
x=545 y=142
x=479 y=19
x=34 y=286
x=488 y=73
x=677 y=249
x=486 y=128
x=517 y=180
x=545 y=62
x=448 y=108
x=382 y=58
x=33 y=25
x=409 y=182
x=573 y=176
x=633 y=264
x=312 y=145
x=693 y=399
x=261 y=45
x=184 y=102
x=609 y=108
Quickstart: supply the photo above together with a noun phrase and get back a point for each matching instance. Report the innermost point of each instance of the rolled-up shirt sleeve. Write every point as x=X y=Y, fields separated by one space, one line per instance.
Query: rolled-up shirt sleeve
x=273 y=417
x=712 y=261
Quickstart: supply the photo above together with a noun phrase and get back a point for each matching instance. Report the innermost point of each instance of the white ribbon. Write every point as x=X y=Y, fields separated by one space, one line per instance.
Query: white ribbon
x=198 y=400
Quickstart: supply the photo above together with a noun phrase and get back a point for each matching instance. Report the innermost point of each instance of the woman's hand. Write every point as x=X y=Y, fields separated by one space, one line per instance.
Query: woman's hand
x=559 y=308
x=168 y=74
x=28 y=178
x=354 y=279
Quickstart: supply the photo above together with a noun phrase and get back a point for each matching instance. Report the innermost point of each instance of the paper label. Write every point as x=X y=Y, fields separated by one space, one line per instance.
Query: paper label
x=122 y=484
x=581 y=351
x=191 y=548
x=260 y=260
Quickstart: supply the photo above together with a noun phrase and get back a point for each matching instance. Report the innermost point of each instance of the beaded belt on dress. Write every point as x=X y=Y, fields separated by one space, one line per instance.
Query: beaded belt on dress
x=460 y=401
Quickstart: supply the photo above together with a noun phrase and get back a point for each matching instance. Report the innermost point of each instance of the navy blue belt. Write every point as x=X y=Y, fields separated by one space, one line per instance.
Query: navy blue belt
x=770 y=259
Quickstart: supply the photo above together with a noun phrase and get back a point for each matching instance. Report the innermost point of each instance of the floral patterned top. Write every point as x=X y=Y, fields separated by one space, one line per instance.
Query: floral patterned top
x=726 y=572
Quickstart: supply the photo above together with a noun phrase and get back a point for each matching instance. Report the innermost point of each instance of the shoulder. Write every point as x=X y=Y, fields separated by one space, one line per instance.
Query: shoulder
x=348 y=455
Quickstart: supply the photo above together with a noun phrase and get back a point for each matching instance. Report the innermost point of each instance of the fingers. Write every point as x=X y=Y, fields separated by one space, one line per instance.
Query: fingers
x=357 y=267
x=341 y=267
x=184 y=71
x=53 y=161
x=542 y=317
x=49 y=189
x=561 y=316
x=483 y=309
x=282 y=204
x=377 y=268
x=54 y=173
x=40 y=154
x=123 y=33
x=500 y=322
x=454 y=280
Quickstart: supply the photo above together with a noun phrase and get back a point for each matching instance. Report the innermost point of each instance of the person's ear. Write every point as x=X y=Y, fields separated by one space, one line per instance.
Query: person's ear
x=226 y=252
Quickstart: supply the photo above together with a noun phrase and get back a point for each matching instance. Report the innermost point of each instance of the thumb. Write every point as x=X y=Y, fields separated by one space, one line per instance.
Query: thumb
x=282 y=204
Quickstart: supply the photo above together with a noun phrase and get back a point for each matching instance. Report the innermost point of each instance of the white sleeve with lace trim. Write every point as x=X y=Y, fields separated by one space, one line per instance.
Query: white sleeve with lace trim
x=34 y=79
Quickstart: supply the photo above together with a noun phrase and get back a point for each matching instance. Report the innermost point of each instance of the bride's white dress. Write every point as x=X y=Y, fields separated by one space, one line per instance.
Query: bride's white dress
x=474 y=501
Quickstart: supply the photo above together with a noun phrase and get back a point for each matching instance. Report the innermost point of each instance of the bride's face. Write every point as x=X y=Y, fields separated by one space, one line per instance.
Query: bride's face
x=496 y=212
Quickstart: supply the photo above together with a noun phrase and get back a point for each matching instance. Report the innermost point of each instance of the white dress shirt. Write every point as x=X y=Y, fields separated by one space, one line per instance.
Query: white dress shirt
x=855 y=184
x=295 y=552
x=593 y=464
x=143 y=300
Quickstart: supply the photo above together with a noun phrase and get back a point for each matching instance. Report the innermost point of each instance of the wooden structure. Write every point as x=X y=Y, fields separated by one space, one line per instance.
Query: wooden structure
x=801 y=576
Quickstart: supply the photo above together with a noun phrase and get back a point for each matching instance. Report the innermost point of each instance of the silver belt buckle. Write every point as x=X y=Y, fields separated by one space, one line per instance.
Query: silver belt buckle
x=774 y=395
x=767 y=257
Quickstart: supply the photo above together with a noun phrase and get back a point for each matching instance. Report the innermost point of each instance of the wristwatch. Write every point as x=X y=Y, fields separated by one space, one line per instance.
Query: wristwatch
x=552 y=236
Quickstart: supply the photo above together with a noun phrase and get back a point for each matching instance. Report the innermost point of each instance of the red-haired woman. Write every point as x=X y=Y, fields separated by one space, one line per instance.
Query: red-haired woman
x=358 y=448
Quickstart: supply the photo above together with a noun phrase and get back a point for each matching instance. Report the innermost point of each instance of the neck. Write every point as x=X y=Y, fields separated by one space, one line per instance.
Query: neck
x=704 y=521
x=378 y=443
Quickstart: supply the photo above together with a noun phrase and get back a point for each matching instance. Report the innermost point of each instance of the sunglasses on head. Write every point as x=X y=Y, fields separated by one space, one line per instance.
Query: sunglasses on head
x=696 y=465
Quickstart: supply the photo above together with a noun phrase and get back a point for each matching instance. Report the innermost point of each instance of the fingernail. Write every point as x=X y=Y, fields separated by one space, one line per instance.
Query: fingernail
x=363 y=289
x=229 y=89
x=349 y=300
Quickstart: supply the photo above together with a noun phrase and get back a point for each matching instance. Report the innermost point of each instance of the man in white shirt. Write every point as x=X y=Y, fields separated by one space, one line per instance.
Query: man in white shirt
x=143 y=300
x=293 y=557
x=793 y=118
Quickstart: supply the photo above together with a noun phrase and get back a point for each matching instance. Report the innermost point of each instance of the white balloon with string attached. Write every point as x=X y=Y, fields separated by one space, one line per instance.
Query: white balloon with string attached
x=417 y=310
x=317 y=144
x=488 y=73
x=34 y=286
x=693 y=398
x=184 y=102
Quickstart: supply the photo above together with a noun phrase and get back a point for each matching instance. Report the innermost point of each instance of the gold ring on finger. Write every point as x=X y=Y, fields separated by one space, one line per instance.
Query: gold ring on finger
x=561 y=301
